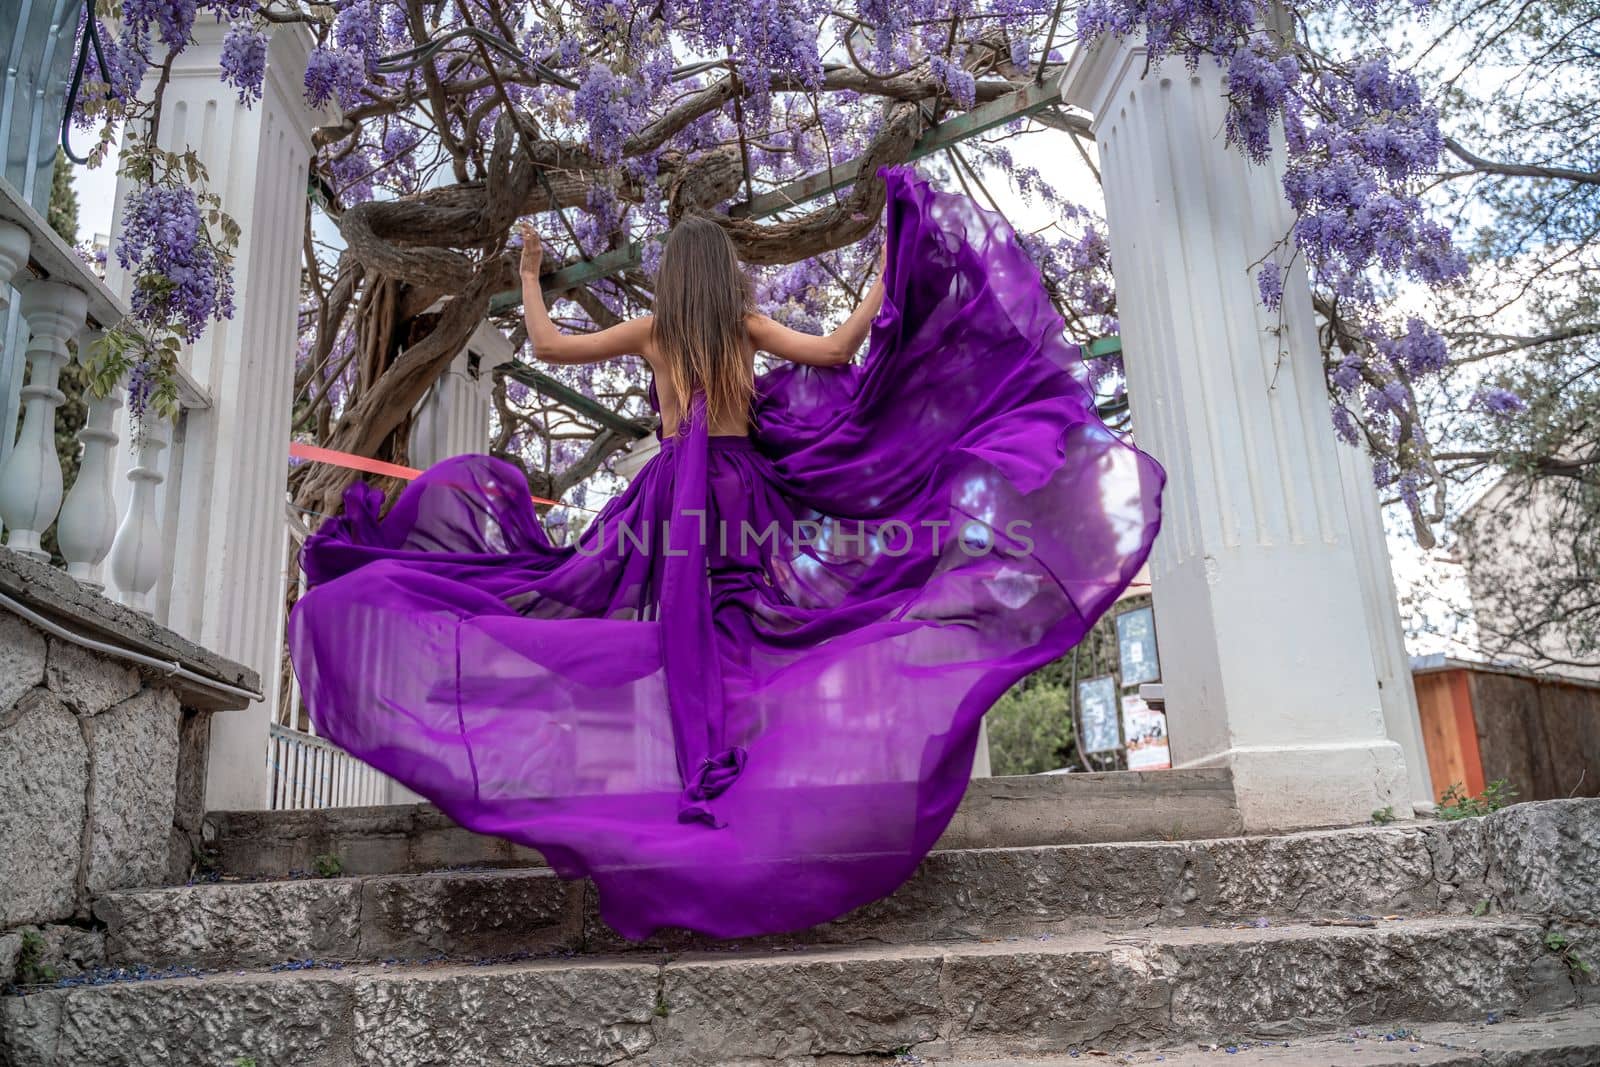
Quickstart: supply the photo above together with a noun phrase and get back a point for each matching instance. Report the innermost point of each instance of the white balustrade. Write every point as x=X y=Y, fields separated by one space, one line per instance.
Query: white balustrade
x=87 y=524
x=30 y=477
x=59 y=299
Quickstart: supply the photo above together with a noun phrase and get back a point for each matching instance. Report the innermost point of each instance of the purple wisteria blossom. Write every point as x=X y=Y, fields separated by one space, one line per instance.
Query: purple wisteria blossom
x=172 y=19
x=244 y=60
x=1359 y=139
x=177 y=276
x=1502 y=403
x=334 y=75
x=1269 y=283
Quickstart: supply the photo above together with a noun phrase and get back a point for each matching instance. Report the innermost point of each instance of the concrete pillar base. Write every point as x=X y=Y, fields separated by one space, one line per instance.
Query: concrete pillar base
x=1301 y=787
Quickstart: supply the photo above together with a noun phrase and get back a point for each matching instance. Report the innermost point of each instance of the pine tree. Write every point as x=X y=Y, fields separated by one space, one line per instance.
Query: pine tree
x=62 y=213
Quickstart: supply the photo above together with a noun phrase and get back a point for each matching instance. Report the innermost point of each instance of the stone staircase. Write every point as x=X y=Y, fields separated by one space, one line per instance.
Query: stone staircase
x=1024 y=940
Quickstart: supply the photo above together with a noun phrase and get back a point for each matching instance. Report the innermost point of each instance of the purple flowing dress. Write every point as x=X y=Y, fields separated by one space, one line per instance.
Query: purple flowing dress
x=746 y=700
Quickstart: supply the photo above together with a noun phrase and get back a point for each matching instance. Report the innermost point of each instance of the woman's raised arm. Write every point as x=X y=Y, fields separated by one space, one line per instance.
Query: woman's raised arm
x=831 y=350
x=553 y=346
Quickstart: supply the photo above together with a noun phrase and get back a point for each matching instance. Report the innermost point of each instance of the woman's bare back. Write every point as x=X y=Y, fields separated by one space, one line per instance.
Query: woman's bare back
x=669 y=404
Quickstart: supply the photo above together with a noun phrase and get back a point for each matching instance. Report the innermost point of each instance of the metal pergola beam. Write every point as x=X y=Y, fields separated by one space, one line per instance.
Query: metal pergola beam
x=1023 y=103
x=589 y=408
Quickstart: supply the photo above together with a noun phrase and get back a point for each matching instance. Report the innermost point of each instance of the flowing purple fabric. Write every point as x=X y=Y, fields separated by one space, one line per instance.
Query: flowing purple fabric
x=747 y=700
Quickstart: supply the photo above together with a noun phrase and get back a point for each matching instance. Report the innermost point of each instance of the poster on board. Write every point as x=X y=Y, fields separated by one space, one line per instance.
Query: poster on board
x=1097 y=713
x=1146 y=732
x=1136 y=646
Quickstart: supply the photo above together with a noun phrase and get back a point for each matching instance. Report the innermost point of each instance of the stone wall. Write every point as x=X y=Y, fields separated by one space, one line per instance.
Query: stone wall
x=102 y=763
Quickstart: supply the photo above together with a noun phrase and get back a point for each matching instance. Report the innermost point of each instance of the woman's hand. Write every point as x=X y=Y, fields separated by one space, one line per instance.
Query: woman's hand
x=532 y=252
x=883 y=259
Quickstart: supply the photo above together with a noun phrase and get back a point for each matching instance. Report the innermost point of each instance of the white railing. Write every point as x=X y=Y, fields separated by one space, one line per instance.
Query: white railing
x=308 y=772
x=60 y=300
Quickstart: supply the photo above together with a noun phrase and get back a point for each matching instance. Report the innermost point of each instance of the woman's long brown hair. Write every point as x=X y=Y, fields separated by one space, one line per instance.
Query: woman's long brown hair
x=701 y=300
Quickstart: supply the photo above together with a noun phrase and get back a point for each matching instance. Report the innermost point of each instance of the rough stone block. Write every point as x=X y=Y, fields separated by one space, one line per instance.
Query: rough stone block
x=1287 y=983
x=1059 y=999
x=22 y=660
x=44 y=775
x=1336 y=871
x=583 y=1013
x=66 y=951
x=10 y=949
x=1547 y=857
x=194 y=748
x=467 y=914
x=212 y=1021
x=1461 y=863
x=135 y=753
x=234 y=925
x=776 y=1008
x=86 y=681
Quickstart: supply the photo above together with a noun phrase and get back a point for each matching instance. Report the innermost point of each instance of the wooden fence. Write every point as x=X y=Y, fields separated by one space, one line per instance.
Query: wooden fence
x=1540 y=733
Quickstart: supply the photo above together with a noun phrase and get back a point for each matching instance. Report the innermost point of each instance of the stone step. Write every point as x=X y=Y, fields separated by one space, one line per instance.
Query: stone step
x=955 y=894
x=1557 y=1039
x=1107 y=991
x=1042 y=809
x=1508 y=863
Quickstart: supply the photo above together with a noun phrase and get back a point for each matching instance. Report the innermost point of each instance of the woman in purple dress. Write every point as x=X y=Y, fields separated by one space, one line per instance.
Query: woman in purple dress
x=746 y=700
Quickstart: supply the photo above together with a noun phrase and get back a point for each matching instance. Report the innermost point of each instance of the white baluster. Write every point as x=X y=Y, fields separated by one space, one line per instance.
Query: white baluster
x=88 y=521
x=14 y=245
x=30 y=478
x=138 y=552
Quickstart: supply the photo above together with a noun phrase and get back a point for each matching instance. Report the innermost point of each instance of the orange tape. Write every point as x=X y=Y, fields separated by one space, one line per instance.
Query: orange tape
x=351 y=461
x=367 y=465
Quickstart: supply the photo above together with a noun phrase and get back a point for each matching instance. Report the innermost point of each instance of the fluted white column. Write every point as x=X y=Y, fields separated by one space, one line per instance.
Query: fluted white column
x=1266 y=661
x=30 y=477
x=453 y=419
x=138 y=553
x=88 y=521
x=1385 y=632
x=229 y=537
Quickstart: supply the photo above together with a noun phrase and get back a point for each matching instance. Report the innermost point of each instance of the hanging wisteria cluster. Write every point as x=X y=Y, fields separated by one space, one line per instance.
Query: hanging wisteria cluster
x=605 y=119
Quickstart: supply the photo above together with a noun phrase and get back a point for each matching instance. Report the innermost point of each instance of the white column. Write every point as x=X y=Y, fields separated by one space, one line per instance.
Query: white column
x=1266 y=660
x=228 y=544
x=453 y=419
x=1385 y=631
x=640 y=452
x=88 y=520
x=30 y=477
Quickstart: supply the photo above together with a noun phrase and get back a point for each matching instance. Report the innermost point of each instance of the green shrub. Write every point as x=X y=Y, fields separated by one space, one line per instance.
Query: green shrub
x=31 y=968
x=1455 y=804
x=1030 y=730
